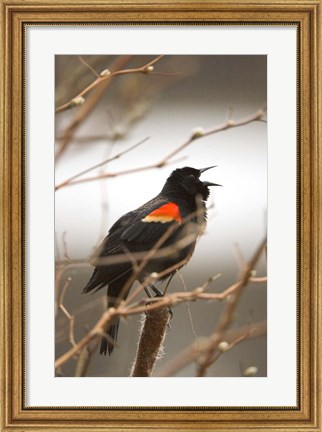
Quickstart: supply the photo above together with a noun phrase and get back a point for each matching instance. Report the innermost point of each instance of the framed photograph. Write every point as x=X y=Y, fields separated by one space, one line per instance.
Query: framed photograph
x=160 y=219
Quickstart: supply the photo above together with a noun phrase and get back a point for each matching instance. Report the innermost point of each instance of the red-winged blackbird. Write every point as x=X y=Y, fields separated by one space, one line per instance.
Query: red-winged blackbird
x=175 y=216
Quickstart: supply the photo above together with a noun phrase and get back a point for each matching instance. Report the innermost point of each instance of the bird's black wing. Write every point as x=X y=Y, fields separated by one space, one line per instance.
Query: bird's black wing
x=112 y=243
x=136 y=231
x=151 y=223
x=104 y=273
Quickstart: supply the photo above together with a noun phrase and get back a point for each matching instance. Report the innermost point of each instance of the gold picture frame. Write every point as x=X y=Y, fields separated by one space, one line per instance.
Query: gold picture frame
x=307 y=15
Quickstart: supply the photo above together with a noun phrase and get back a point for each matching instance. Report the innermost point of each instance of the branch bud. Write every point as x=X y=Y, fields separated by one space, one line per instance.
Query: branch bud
x=78 y=100
x=105 y=73
x=149 y=69
x=154 y=275
x=197 y=133
x=199 y=290
x=250 y=371
x=223 y=346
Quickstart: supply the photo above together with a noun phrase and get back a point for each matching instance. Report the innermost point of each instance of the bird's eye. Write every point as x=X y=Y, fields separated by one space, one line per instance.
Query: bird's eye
x=192 y=177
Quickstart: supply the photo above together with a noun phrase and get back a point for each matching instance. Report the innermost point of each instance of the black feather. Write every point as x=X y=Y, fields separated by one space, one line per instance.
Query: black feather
x=130 y=234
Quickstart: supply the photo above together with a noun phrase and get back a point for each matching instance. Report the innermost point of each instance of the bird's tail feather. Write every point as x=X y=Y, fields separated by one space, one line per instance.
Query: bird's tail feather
x=107 y=343
x=114 y=290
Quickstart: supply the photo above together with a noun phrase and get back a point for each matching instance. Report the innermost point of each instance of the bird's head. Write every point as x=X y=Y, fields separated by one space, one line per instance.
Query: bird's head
x=187 y=179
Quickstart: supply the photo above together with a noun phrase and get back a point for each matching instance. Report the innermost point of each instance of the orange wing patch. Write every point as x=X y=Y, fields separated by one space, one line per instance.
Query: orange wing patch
x=166 y=213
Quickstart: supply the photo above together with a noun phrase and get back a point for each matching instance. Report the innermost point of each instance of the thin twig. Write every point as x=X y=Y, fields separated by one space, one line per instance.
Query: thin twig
x=86 y=108
x=84 y=359
x=224 y=347
x=88 y=138
x=69 y=316
x=201 y=346
x=206 y=347
x=240 y=258
x=82 y=60
x=187 y=305
x=105 y=75
x=101 y=164
x=228 y=313
x=126 y=310
x=229 y=124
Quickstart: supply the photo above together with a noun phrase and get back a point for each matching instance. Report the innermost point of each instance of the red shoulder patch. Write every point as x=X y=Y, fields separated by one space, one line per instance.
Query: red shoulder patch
x=166 y=213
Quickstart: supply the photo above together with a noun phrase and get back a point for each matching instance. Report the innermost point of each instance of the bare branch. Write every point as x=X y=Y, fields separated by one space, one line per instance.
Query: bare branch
x=187 y=304
x=228 y=313
x=71 y=318
x=125 y=310
x=224 y=347
x=229 y=124
x=88 y=66
x=201 y=346
x=86 y=108
x=85 y=358
x=105 y=75
x=207 y=346
x=105 y=162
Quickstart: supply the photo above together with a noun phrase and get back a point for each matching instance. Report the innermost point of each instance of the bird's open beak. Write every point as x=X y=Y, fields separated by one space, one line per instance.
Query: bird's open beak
x=202 y=170
x=206 y=183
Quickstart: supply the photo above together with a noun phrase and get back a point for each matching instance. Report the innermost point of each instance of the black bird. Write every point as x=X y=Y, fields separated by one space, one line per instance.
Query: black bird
x=176 y=216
